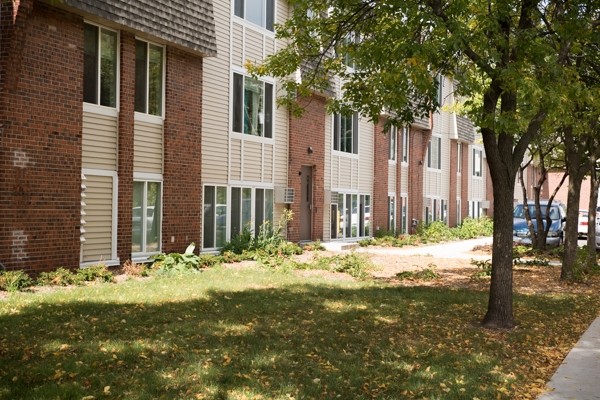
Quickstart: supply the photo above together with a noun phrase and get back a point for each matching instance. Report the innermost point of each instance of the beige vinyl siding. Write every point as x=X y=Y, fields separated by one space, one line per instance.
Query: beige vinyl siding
x=391 y=184
x=215 y=102
x=281 y=147
x=148 y=147
x=433 y=183
x=327 y=179
x=366 y=132
x=99 y=141
x=253 y=46
x=237 y=45
x=98 y=218
x=404 y=178
x=269 y=46
x=345 y=172
x=267 y=163
x=235 y=172
x=252 y=161
x=445 y=186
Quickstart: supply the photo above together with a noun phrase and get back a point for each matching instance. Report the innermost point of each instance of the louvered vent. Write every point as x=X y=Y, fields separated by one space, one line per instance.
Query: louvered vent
x=284 y=195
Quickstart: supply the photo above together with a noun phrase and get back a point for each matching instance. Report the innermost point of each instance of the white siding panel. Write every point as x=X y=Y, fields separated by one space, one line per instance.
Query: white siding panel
x=148 y=148
x=391 y=185
x=215 y=104
x=98 y=227
x=99 y=141
x=404 y=179
x=267 y=167
x=252 y=161
x=366 y=139
x=235 y=165
x=327 y=178
x=254 y=46
x=281 y=147
x=269 y=46
x=237 y=42
x=345 y=172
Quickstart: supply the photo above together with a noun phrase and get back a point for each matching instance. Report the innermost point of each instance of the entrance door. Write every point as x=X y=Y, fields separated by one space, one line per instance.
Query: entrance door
x=306 y=203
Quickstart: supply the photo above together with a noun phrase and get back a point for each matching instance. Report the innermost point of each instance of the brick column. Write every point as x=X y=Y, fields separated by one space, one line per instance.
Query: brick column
x=453 y=183
x=125 y=143
x=379 y=210
x=418 y=142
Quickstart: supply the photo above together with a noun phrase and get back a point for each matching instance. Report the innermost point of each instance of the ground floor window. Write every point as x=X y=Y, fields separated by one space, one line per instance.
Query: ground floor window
x=146 y=217
x=392 y=213
x=404 y=214
x=353 y=216
x=230 y=210
x=475 y=210
x=458 y=212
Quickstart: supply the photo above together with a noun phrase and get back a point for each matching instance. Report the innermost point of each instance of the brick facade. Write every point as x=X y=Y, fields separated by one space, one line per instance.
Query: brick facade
x=379 y=211
x=40 y=138
x=453 y=183
x=418 y=142
x=182 y=192
x=304 y=132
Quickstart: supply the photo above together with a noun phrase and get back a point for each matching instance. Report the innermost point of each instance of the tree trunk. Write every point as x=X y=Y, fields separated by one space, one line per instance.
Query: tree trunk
x=591 y=235
x=570 y=233
x=500 y=305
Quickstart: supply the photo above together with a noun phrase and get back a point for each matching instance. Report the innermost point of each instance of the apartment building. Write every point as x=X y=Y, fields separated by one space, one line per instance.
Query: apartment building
x=129 y=128
x=100 y=129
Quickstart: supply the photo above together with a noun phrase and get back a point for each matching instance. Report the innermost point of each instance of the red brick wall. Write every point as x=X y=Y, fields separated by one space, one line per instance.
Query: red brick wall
x=467 y=152
x=453 y=182
x=40 y=139
x=182 y=192
x=125 y=142
x=379 y=211
x=419 y=139
x=489 y=190
x=308 y=131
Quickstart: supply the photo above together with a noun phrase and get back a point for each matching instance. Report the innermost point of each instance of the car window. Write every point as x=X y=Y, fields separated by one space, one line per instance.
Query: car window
x=519 y=211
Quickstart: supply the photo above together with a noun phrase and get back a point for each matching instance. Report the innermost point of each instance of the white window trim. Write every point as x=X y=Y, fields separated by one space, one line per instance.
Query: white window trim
x=477 y=177
x=434 y=169
x=97 y=108
x=340 y=153
x=114 y=220
x=140 y=116
x=246 y=136
x=150 y=177
x=395 y=160
x=405 y=146
x=252 y=25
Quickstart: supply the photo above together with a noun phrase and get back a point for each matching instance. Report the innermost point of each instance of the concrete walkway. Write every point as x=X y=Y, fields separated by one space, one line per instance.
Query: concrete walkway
x=577 y=378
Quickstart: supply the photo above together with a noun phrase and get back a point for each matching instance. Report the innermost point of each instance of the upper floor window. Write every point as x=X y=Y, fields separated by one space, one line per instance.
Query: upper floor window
x=393 y=139
x=434 y=153
x=99 y=66
x=345 y=133
x=459 y=157
x=149 y=81
x=440 y=89
x=477 y=162
x=405 y=144
x=259 y=12
x=252 y=106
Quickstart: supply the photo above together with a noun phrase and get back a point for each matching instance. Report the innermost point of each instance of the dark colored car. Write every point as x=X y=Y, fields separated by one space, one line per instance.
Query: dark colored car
x=558 y=215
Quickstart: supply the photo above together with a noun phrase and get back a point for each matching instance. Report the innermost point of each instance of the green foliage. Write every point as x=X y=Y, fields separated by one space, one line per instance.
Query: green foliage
x=425 y=274
x=59 y=277
x=181 y=262
x=485 y=269
x=239 y=242
x=95 y=273
x=132 y=268
x=581 y=271
x=471 y=228
x=12 y=281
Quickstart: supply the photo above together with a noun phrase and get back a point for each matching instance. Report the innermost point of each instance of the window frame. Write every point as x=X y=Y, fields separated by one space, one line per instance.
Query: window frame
x=405 y=145
x=146 y=178
x=238 y=105
x=145 y=115
x=477 y=164
x=96 y=105
x=459 y=156
x=430 y=159
x=337 y=134
x=393 y=144
x=392 y=213
x=240 y=7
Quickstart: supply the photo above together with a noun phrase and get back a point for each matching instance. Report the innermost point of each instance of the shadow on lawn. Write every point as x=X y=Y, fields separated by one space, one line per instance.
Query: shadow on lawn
x=302 y=341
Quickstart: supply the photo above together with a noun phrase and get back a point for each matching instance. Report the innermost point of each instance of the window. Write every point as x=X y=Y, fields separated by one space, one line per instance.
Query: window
x=434 y=153
x=349 y=41
x=405 y=144
x=215 y=216
x=241 y=210
x=458 y=212
x=146 y=217
x=459 y=158
x=99 y=66
x=440 y=89
x=404 y=215
x=258 y=12
x=477 y=162
x=252 y=106
x=391 y=213
x=393 y=138
x=345 y=133
x=475 y=209
x=444 y=211
x=263 y=209
x=149 y=87
x=352 y=216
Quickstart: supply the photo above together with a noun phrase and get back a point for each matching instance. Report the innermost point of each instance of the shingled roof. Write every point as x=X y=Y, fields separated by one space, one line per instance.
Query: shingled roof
x=187 y=23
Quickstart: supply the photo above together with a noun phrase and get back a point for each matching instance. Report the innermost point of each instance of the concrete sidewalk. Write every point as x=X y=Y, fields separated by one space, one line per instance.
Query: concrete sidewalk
x=578 y=377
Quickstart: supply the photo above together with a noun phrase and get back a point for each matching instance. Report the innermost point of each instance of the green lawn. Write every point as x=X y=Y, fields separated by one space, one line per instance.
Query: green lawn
x=255 y=333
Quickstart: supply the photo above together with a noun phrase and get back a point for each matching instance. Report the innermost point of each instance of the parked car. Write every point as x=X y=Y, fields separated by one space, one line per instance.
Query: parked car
x=557 y=215
x=582 y=223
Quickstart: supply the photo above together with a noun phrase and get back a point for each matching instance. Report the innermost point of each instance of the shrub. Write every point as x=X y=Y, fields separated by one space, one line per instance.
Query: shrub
x=12 y=281
x=238 y=242
x=426 y=274
x=485 y=269
x=132 y=268
x=178 y=262
x=59 y=277
x=95 y=273
x=471 y=228
x=353 y=264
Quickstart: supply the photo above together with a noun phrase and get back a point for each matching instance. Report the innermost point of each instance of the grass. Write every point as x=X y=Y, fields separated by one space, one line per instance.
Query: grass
x=265 y=334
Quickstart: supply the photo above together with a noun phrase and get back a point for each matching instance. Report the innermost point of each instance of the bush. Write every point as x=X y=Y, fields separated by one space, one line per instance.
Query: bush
x=425 y=274
x=59 y=277
x=95 y=273
x=12 y=281
x=472 y=228
x=132 y=268
x=485 y=269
